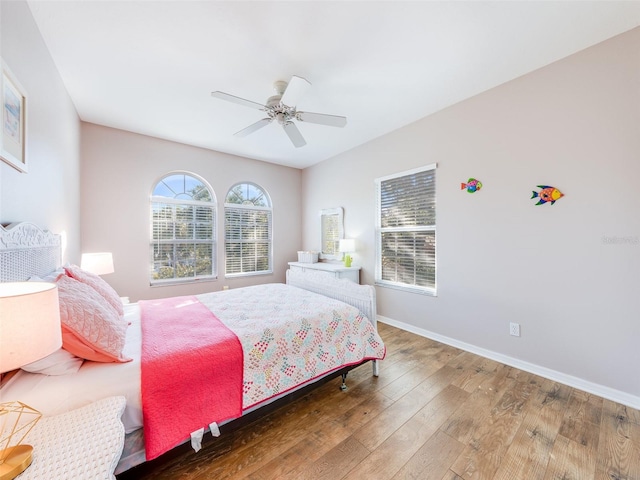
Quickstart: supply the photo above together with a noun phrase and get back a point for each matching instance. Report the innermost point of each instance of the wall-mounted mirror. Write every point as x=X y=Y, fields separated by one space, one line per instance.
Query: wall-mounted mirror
x=331 y=231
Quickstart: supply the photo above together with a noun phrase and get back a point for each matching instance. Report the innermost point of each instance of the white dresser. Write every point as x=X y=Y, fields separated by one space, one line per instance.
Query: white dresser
x=337 y=270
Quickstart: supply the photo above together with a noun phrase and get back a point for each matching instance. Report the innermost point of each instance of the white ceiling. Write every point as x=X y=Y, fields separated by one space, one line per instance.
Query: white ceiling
x=150 y=66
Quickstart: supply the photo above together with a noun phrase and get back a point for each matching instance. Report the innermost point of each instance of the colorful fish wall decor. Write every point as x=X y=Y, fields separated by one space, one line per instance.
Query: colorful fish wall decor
x=547 y=194
x=472 y=185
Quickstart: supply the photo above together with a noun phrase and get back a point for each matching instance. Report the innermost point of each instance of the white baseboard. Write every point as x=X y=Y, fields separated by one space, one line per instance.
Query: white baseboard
x=575 y=382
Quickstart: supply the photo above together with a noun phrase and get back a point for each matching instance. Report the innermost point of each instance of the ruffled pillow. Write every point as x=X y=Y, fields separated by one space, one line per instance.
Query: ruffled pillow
x=91 y=328
x=59 y=362
x=98 y=284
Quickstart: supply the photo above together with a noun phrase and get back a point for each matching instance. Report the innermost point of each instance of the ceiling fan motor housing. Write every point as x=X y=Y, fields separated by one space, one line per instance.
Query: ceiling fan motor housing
x=279 y=111
x=273 y=101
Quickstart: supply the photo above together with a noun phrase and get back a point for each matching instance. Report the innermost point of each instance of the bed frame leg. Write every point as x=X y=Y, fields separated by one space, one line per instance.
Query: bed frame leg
x=343 y=387
x=376 y=368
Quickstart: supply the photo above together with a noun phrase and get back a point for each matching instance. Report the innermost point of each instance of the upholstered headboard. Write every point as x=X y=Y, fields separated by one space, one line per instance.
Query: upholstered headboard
x=27 y=250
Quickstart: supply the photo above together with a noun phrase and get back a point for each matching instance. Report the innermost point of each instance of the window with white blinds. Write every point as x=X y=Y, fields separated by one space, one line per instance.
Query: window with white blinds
x=406 y=230
x=247 y=231
x=183 y=226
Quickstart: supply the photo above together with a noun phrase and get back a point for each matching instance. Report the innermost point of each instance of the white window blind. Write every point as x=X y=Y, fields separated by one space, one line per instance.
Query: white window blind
x=183 y=225
x=248 y=231
x=406 y=230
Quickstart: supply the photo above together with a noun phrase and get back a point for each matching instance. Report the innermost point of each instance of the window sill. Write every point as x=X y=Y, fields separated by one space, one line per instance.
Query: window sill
x=248 y=274
x=429 y=292
x=173 y=282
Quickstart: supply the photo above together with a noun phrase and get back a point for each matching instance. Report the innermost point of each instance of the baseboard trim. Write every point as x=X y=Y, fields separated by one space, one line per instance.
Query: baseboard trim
x=575 y=382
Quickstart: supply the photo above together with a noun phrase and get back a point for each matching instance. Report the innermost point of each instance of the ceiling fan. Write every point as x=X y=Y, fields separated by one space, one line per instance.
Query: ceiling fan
x=282 y=108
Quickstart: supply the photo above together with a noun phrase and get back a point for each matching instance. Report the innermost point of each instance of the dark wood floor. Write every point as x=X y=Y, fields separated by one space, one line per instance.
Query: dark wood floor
x=435 y=412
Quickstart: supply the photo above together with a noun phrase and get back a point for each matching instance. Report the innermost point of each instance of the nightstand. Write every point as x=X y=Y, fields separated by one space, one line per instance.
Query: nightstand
x=337 y=270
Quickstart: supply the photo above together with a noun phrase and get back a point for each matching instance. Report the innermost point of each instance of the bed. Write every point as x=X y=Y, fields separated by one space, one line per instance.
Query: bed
x=286 y=337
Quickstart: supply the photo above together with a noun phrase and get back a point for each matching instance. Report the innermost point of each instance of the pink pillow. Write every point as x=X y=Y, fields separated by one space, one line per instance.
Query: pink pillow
x=98 y=284
x=91 y=328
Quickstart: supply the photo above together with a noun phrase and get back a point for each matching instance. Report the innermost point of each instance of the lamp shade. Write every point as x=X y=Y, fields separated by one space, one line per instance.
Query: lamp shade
x=347 y=245
x=98 y=263
x=29 y=323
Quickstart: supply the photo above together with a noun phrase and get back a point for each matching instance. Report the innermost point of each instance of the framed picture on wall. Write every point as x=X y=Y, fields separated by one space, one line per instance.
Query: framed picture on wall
x=13 y=133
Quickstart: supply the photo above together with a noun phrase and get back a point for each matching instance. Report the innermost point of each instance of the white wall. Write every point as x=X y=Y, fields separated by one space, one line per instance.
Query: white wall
x=49 y=194
x=569 y=273
x=120 y=168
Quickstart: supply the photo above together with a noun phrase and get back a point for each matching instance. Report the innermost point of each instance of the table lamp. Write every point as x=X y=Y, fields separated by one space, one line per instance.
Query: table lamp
x=347 y=247
x=29 y=330
x=97 y=263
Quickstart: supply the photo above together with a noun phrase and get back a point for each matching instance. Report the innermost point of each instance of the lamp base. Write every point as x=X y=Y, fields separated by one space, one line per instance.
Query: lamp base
x=17 y=461
x=347 y=260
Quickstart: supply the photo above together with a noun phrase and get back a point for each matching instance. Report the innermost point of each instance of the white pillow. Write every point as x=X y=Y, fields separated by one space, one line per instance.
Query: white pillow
x=59 y=362
x=85 y=443
x=50 y=277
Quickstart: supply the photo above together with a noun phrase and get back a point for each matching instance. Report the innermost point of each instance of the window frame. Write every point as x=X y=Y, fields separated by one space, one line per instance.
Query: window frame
x=379 y=230
x=252 y=208
x=176 y=242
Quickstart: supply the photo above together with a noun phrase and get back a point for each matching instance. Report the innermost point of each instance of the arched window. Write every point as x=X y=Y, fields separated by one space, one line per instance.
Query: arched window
x=183 y=229
x=247 y=231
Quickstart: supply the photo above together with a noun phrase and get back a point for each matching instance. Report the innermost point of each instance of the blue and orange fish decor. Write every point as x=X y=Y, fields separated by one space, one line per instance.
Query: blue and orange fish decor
x=547 y=194
x=472 y=185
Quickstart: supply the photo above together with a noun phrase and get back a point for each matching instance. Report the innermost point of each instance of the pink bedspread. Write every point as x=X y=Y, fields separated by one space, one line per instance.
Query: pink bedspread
x=191 y=371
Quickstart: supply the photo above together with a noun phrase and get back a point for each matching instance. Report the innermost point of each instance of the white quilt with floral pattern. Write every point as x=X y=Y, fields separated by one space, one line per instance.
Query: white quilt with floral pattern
x=290 y=336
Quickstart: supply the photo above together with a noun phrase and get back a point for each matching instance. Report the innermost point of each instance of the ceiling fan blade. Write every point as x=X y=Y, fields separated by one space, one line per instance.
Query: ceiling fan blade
x=322 y=119
x=238 y=100
x=294 y=134
x=253 y=127
x=296 y=89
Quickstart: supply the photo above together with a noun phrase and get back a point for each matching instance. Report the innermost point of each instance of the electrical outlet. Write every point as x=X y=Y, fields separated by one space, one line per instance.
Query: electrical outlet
x=514 y=329
x=225 y=287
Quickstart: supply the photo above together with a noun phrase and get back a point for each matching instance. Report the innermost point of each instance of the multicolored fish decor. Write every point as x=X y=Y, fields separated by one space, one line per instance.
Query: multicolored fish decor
x=472 y=185
x=547 y=194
